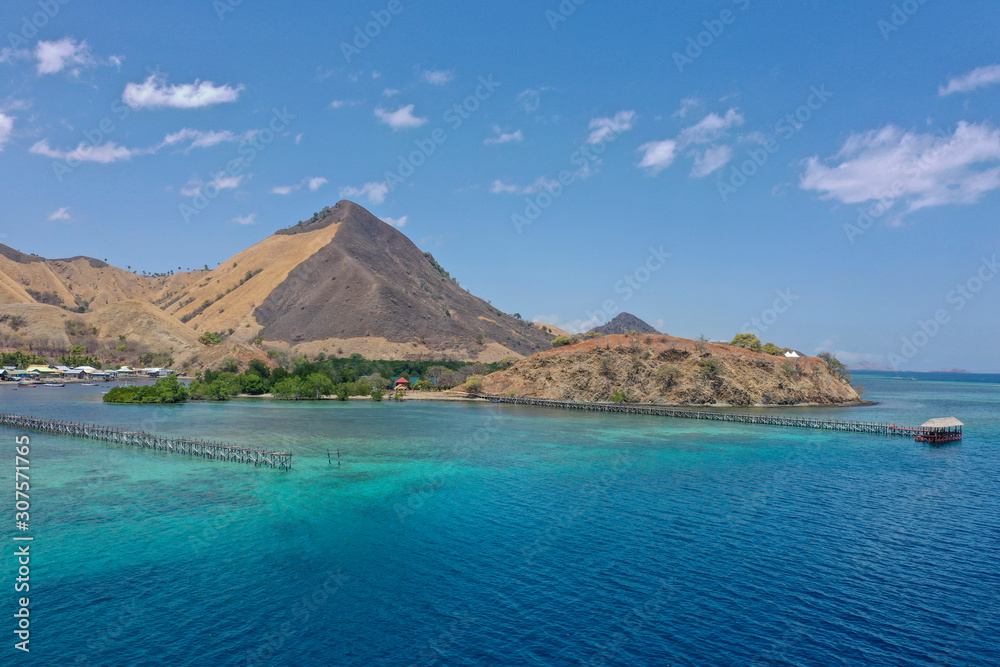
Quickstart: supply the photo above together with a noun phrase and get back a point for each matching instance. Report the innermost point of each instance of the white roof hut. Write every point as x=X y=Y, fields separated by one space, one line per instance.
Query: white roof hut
x=942 y=422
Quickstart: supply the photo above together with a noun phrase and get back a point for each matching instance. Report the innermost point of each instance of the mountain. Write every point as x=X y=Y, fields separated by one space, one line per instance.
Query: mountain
x=72 y=283
x=869 y=366
x=624 y=323
x=339 y=283
x=666 y=370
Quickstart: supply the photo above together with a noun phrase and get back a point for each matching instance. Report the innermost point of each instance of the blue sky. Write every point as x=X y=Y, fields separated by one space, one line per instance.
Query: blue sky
x=825 y=174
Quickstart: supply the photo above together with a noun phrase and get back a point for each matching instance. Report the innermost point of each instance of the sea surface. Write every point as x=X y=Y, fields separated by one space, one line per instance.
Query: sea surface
x=480 y=534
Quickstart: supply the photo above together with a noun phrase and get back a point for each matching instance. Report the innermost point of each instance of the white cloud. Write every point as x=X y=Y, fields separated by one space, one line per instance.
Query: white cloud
x=61 y=214
x=199 y=138
x=390 y=92
x=54 y=57
x=710 y=160
x=916 y=170
x=981 y=77
x=658 y=155
x=226 y=182
x=8 y=54
x=504 y=138
x=438 y=77
x=155 y=93
x=86 y=152
x=375 y=192
x=541 y=183
x=337 y=104
x=6 y=128
x=531 y=99
x=298 y=138
x=222 y=181
x=709 y=128
x=245 y=220
x=401 y=118
x=687 y=104
x=396 y=222
x=314 y=184
x=605 y=128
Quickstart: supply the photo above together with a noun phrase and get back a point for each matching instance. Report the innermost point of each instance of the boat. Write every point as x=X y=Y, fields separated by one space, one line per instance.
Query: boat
x=54 y=384
x=88 y=384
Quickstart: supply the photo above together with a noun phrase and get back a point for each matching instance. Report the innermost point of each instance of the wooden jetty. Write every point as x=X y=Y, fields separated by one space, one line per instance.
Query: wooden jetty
x=207 y=450
x=923 y=433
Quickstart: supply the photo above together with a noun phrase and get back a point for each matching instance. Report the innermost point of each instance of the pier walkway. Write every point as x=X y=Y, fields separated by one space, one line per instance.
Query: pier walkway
x=199 y=448
x=684 y=413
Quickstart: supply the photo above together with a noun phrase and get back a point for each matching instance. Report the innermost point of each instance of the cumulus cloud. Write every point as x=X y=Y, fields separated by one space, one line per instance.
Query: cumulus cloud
x=375 y=192
x=86 y=152
x=915 y=170
x=658 y=155
x=712 y=159
x=245 y=220
x=316 y=183
x=390 y=92
x=438 y=77
x=400 y=119
x=396 y=222
x=54 y=57
x=981 y=77
x=504 y=137
x=710 y=128
x=6 y=128
x=61 y=214
x=604 y=128
x=156 y=93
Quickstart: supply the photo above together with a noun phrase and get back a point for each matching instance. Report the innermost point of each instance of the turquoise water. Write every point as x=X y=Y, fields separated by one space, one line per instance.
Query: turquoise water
x=457 y=534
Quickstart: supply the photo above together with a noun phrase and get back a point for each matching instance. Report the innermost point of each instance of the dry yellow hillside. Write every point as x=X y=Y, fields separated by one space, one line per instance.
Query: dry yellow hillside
x=274 y=258
x=670 y=371
x=46 y=328
x=12 y=291
x=555 y=331
x=73 y=281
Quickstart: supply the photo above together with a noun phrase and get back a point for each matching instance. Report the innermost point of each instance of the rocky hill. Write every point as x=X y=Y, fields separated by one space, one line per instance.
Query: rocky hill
x=665 y=370
x=624 y=323
x=339 y=283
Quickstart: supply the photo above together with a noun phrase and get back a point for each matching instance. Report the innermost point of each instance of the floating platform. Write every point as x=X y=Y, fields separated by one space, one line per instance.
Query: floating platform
x=199 y=448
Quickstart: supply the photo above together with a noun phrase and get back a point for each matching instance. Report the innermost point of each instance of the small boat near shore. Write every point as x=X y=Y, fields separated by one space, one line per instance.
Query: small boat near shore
x=54 y=384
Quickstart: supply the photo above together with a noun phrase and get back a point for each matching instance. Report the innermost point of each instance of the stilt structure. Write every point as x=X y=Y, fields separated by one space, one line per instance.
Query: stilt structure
x=206 y=450
x=918 y=432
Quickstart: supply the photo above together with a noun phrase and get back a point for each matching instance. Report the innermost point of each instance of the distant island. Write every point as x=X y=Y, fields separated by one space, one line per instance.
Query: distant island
x=869 y=366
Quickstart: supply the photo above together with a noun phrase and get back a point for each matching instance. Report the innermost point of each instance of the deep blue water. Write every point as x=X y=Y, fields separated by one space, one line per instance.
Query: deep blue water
x=458 y=534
